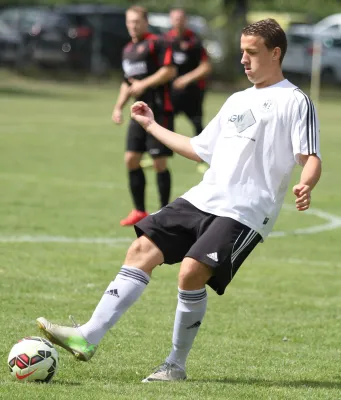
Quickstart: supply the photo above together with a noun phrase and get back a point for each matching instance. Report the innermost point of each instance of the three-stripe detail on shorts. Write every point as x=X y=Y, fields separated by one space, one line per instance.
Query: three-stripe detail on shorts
x=247 y=240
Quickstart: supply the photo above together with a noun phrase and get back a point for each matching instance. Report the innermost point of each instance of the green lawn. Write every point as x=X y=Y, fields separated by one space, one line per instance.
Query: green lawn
x=275 y=334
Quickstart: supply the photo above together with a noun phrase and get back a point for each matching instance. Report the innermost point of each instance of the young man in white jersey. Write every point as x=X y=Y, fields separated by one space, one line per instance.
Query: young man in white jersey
x=251 y=146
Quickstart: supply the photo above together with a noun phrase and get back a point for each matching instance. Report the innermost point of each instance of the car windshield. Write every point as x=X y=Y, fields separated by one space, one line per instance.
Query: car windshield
x=5 y=30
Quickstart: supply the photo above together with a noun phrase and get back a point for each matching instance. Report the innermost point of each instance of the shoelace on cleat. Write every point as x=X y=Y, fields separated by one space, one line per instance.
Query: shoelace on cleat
x=74 y=323
x=163 y=367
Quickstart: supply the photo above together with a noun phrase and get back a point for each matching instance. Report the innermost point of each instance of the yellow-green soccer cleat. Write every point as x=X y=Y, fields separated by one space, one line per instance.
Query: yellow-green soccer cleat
x=68 y=338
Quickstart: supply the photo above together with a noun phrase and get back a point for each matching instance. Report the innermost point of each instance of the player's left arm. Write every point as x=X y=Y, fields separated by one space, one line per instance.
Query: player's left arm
x=306 y=148
x=160 y=77
x=311 y=173
x=201 y=71
x=164 y=74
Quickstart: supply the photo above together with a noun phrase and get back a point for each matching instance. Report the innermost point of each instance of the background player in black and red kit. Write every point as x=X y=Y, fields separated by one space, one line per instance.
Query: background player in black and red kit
x=193 y=66
x=148 y=67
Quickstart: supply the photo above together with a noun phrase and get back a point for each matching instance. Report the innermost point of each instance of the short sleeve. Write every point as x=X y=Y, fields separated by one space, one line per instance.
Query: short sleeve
x=164 y=52
x=193 y=40
x=305 y=135
x=204 y=144
x=125 y=77
x=198 y=52
x=203 y=54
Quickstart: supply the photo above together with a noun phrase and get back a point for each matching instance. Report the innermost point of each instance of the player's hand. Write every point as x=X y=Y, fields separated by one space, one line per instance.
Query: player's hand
x=117 y=116
x=137 y=87
x=180 y=83
x=303 y=196
x=142 y=114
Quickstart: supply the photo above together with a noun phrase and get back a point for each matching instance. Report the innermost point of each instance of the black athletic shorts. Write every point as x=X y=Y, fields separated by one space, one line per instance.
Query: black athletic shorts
x=139 y=141
x=181 y=230
x=189 y=101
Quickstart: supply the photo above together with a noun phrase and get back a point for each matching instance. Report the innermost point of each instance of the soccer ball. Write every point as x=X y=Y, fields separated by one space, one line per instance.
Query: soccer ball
x=33 y=359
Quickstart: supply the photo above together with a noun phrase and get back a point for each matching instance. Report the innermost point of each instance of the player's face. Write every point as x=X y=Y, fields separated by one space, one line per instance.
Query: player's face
x=178 y=20
x=260 y=63
x=137 y=26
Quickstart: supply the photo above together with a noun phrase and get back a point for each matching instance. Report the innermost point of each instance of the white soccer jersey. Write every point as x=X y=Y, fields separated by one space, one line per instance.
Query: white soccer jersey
x=251 y=146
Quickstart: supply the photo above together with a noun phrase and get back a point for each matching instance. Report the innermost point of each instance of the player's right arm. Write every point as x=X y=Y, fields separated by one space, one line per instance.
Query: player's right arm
x=180 y=144
x=199 y=148
x=122 y=99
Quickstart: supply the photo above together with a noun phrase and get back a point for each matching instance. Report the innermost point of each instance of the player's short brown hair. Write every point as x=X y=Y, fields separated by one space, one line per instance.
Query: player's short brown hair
x=272 y=33
x=178 y=9
x=140 y=10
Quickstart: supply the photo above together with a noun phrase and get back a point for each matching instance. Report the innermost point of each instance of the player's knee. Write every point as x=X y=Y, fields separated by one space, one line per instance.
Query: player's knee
x=143 y=254
x=132 y=160
x=193 y=275
x=160 y=164
x=137 y=249
x=186 y=276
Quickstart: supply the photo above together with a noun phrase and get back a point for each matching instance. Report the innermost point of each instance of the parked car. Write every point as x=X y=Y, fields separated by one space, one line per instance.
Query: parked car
x=329 y=25
x=77 y=36
x=298 y=59
x=9 y=44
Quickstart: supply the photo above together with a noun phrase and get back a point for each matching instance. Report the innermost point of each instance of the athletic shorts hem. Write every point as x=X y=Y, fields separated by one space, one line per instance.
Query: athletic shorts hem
x=155 y=238
x=139 y=141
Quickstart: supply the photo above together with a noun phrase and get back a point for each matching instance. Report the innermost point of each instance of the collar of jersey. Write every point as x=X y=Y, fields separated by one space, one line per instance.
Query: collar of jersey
x=145 y=36
x=280 y=83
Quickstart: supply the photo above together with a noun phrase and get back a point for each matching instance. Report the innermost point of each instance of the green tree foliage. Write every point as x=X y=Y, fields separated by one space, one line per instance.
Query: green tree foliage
x=212 y=8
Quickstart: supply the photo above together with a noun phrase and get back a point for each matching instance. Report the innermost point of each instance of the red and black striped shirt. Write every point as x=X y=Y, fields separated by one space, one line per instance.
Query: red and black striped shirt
x=144 y=58
x=188 y=52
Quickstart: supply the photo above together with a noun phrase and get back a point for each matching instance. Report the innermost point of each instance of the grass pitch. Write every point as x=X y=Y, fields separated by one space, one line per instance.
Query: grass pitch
x=275 y=334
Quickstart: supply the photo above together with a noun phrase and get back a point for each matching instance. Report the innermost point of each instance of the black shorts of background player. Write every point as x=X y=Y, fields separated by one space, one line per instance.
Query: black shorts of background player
x=193 y=66
x=147 y=63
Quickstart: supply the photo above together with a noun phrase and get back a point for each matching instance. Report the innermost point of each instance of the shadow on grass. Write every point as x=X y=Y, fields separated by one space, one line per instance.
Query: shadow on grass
x=261 y=382
x=65 y=383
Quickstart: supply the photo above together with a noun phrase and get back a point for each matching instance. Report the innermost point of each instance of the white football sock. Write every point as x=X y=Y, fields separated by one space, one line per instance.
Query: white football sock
x=122 y=293
x=188 y=317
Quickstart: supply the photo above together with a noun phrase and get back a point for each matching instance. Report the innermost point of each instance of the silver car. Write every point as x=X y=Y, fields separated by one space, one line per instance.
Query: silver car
x=298 y=59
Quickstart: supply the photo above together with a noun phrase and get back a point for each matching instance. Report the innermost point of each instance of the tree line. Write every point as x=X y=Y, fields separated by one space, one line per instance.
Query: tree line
x=315 y=9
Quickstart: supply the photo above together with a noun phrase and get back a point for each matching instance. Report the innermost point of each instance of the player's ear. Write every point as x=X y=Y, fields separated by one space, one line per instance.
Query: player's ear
x=276 y=53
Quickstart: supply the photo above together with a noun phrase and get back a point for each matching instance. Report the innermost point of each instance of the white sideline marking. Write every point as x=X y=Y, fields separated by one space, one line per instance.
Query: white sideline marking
x=63 y=239
x=300 y=261
x=72 y=183
x=61 y=181
x=333 y=222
